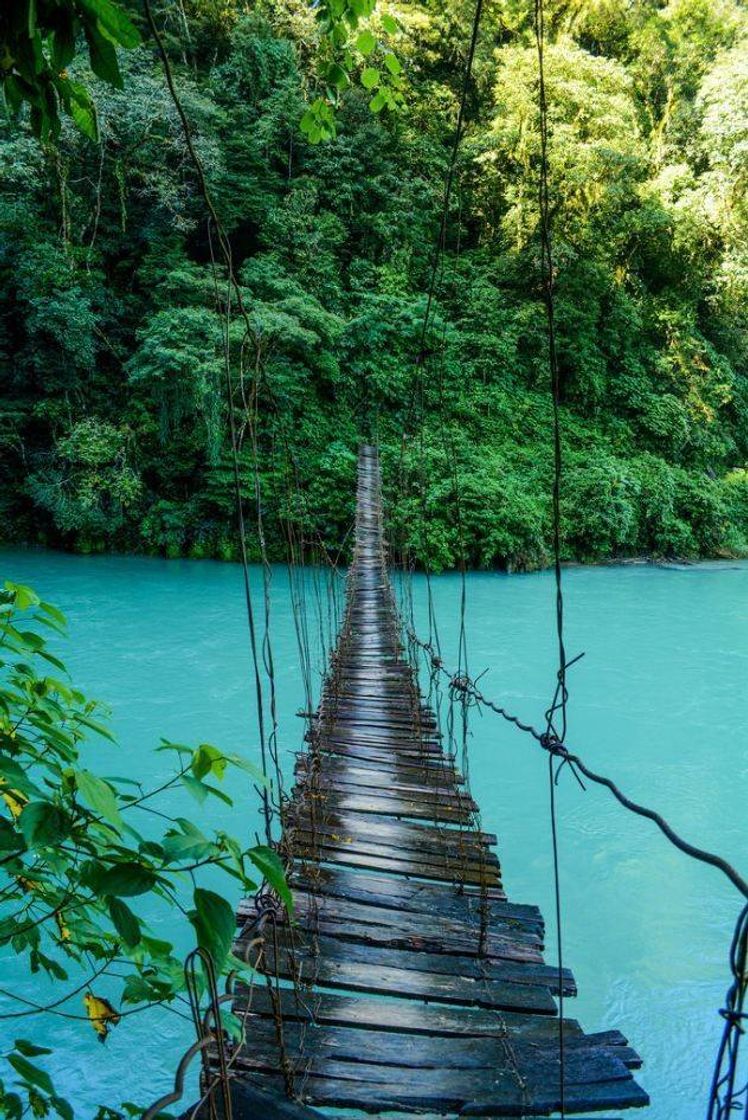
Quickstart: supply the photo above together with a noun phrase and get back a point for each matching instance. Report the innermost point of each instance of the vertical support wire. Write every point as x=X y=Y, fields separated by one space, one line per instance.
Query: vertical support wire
x=556 y=716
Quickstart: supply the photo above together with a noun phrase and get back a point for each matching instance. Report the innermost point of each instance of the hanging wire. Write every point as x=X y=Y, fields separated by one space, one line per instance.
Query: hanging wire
x=556 y=716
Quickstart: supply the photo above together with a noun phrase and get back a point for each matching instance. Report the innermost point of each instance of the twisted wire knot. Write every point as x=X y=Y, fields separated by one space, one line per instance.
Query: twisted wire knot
x=550 y=742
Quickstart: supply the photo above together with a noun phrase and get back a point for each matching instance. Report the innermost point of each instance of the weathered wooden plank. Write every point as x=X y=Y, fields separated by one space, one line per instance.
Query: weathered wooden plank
x=410 y=1051
x=431 y=933
x=450 y=900
x=389 y=799
x=333 y=950
x=393 y=830
x=404 y=1017
x=381 y=805
x=385 y=777
x=503 y=1095
x=372 y=858
x=428 y=924
x=453 y=863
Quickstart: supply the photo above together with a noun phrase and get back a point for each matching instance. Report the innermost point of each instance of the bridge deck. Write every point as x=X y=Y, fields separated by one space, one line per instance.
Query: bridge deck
x=418 y=986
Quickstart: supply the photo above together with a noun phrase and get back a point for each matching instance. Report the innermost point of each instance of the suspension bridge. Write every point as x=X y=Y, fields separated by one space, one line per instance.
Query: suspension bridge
x=404 y=980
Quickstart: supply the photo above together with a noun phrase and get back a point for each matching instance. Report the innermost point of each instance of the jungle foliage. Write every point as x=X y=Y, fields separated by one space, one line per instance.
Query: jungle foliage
x=87 y=860
x=327 y=164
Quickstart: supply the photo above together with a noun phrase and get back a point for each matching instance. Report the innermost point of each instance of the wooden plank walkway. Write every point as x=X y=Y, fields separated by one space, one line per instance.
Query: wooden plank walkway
x=408 y=982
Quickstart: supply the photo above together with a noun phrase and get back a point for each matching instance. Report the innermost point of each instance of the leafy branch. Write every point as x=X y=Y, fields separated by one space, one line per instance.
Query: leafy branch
x=75 y=873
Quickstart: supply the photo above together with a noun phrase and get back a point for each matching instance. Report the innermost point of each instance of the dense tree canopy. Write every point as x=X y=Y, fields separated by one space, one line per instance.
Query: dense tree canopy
x=329 y=181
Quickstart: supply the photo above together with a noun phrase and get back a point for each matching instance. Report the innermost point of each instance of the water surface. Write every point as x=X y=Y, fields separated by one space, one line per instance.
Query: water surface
x=657 y=703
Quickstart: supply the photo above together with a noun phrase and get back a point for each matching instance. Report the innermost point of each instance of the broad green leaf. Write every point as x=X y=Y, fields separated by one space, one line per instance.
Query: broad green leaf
x=125 y=880
x=55 y=614
x=82 y=110
x=43 y=824
x=31 y=1074
x=337 y=76
x=63 y=1108
x=16 y=777
x=125 y=922
x=178 y=847
x=392 y=62
x=114 y=21
x=208 y=760
x=63 y=43
x=378 y=102
x=389 y=23
x=215 y=924
x=219 y=794
x=366 y=42
x=197 y=789
x=370 y=77
x=98 y=796
x=103 y=57
x=269 y=863
x=25 y=597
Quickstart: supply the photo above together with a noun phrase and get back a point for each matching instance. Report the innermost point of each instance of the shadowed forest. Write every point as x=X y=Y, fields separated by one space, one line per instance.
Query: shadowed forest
x=113 y=431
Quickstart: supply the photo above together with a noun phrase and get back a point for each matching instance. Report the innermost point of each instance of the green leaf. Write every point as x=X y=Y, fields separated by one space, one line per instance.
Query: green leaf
x=389 y=23
x=124 y=921
x=55 y=614
x=268 y=862
x=95 y=725
x=178 y=847
x=31 y=1074
x=63 y=46
x=208 y=760
x=366 y=42
x=28 y=1049
x=25 y=597
x=15 y=776
x=103 y=58
x=124 y=880
x=378 y=102
x=392 y=62
x=370 y=77
x=63 y=1108
x=249 y=768
x=215 y=924
x=82 y=110
x=232 y=1024
x=43 y=824
x=13 y=1106
x=219 y=794
x=337 y=76
x=113 y=21
x=98 y=796
x=197 y=789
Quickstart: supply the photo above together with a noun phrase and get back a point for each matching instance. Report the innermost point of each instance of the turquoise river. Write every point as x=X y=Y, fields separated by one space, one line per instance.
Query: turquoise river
x=658 y=703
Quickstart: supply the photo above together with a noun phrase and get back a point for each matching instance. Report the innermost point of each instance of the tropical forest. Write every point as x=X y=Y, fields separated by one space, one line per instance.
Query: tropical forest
x=374 y=445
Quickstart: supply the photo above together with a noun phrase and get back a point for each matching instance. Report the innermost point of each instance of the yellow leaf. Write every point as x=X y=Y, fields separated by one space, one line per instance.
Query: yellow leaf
x=101 y=1013
x=64 y=931
x=14 y=799
x=27 y=885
